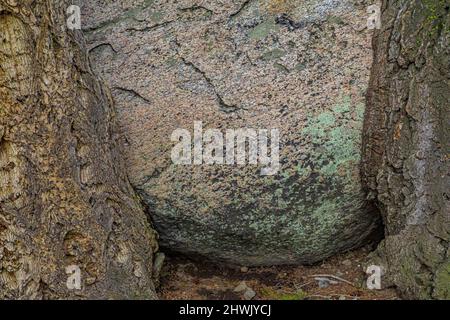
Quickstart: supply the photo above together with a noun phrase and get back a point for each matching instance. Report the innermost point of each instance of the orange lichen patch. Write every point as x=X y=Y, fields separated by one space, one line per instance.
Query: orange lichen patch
x=398 y=130
x=279 y=6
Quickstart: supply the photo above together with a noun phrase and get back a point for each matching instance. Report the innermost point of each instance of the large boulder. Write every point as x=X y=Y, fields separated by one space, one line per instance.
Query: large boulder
x=301 y=67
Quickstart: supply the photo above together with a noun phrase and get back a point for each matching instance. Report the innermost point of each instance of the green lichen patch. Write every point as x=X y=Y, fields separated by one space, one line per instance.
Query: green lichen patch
x=340 y=139
x=442 y=282
x=273 y=54
x=263 y=29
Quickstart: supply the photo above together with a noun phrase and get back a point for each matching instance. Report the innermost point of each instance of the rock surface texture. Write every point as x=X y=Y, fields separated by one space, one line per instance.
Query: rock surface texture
x=299 y=66
x=67 y=210
x=407 y=145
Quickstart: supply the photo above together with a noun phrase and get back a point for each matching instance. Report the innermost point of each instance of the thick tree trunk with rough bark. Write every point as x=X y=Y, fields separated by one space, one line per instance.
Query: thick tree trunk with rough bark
x=65 y=199
x=406 y=144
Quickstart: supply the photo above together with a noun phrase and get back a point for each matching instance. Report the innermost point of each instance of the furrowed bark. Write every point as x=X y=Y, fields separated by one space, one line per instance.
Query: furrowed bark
x=406 y=144
x=64 y=195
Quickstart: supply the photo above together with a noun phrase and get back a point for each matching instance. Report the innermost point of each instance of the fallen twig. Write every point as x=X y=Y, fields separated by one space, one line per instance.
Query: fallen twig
x=297 y=287
x=334 y=277
x=319 y=296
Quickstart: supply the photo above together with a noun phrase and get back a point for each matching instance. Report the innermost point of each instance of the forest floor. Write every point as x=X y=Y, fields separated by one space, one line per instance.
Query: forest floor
x=182 y=278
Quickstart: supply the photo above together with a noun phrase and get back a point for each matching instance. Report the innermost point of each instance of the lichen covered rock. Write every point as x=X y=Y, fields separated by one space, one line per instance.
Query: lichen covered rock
x=301 y=67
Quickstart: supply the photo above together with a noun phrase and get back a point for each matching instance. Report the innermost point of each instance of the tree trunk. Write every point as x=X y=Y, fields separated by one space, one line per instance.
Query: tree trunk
x=406 y=144
x=65 y=199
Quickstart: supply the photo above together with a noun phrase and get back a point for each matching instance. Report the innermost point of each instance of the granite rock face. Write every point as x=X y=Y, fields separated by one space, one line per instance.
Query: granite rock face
x=301 y=67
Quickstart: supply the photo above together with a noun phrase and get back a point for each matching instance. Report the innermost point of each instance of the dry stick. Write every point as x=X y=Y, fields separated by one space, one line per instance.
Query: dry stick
x=334 y=277
x=331 y=296
x=319 y=296
x=302 y=285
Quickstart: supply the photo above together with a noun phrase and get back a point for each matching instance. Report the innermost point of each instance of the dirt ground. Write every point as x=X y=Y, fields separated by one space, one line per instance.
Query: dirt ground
x=182 y=278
